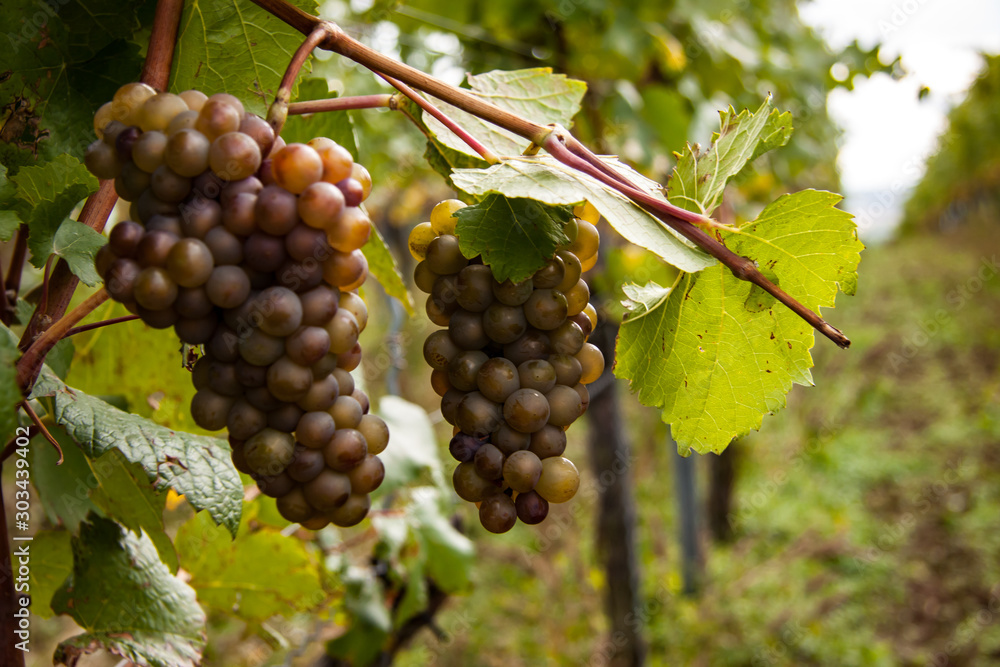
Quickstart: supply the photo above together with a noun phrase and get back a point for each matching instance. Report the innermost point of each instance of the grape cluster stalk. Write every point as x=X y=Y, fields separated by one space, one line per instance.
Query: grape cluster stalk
x=250 y=248
x=511 y=366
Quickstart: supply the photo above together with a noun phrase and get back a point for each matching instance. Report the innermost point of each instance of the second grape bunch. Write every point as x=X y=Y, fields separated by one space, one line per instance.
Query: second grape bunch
x=511 y=366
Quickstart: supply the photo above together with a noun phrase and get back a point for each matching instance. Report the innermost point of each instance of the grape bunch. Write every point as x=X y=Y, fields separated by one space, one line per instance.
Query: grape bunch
x=250 y=248
x=511 y=367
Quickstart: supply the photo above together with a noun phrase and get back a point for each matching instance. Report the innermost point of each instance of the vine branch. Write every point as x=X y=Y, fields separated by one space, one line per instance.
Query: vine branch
x=562 y=146
x=382 y=101
x=97 y=325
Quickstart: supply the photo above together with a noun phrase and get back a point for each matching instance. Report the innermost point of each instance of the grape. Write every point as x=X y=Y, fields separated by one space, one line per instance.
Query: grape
x=475 y=288
x=158 y=319
x=565 y=405
x=328 y=490
x=210 y=409
x=512 y=294
x=577 y=298
x=477 y=415
x=467 y=331
x=131 y=182
x=227 y=286
x=533 y=344
x=463 y=447
x=148 y=206
x=584 y=321
x=196 y=331
x=321 y=395
x=200 y=215
x=250 y=375
x=444 y=256
x=504 y=324
x=367 y=476
x=361 y=175
x=226 y=248
x=497 y=513
x=545 y=309
x=238 y=216
x=568 y=369
x=260 y=349
x=351 y=359
x=154 y=247
x=244 y=420
x=420 y=238
x=489 y=462
x=424 y=278
x=124 y=238
x=531 y=508
x=345 y=270
x=350 y=231
x=443 y=218
x=103 y=260
x=320 y=204
x=287 y=381
x=508 y=440
x=439 y=350
x=124 y=142
x=195 y=99
x=463 y=369
x=351 y=512
x=497 y=379
x=346 y=412
x=223 y=344
x=439 y=382
x=187 y=152
x=259 y=130
x=548 y=441
x=185 y=120
x=571 y=271
x=307 y=345
x=154 y=289
x=449 y=404
x=354 y=304
x=559 y=480
x=537 y=374
x=294 y=507
x=263 y=252
x=102 y=118
x=102 y=160
x=306 y=465
x=171 y=224
x=218 y=117
x=234 y=156
x=376 y=433
x=168 y=185
x=469 y=485
x=296 y=166
x=584 y=396
x=261 y=398
x=567 y=338
x=280 y=310
x=549 y=275
x=521 y=471
x=190 y=263
x=318 y=305
x=275 y=486
x=268 y=452
x=346 y=449
x=587 y=241
x=159 y=110
x=362 y=399
x=591 y=361
x=354 y=192
x=307 y=243
x=147 y=151
x=128 y=100
x=336 y=159
x=526 y=410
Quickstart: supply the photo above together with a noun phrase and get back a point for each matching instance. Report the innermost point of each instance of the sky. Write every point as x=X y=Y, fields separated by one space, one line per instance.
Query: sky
x=888 y=132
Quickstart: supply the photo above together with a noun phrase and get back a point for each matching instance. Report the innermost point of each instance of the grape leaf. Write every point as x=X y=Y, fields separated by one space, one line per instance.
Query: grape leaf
x=9 y=220
x=194 y=466
x=534 y=93
x=514 y=236
x=76 y=243
x=334 y=125
x=715 y=366
x=382 y=265
x=10 y=392
x=51 y=563
x=64 y=489
x=412 y=449
x=127 y=601
x=545 y=179
x=65 y=59
x=450 y=554
x=124 y=493
x=699 y=179
x=258 y=575
x=227 y=46
x=441 y=159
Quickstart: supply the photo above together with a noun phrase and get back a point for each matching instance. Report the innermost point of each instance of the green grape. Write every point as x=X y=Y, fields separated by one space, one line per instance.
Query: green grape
x=568 y=369
x=537 y=374
x=321 y=395
x=287 y=381
x=420 y=238
x=531 y=508
x=548 y=441
x=376 y=433
x=512 y=294
x=549 y=275
x=592 y=362
x=328 y=490
x=269 y=451
x=545 y=309
x=444 y=256
x=347 y=412
x=474 y=286
x=521 y=471
x=128 y=100
x=467 y=331
x=463 y=369
x=346 y=449
x=469 y=485
x=564 y=405
x=343 y=329
x=185 y=120
x=159 y=110
x=504 y=324
x=477 y=415
x=210 y=409
x=190 y=263
x=315 y=429
x=443 y=218
x=147 y=151
x=294 y=507
x=351 y=512
x=218 y=117
x=534 y=344
x=367 y=476
x=577 y=298
x=559 y=480
x=587 y=241
x=572 y=269
x=497 y=379
x=567 y=338
x=194 y=99
x=102 y=118
x=526 y=410
x=439 y=350
x=497 y=513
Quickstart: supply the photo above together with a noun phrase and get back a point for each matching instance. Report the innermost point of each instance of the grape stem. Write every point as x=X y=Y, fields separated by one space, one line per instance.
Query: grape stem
x=277 y=113
x=13 y=281
x=424 y=104
x=97 y=325
x=559 y=143
x=382 y=101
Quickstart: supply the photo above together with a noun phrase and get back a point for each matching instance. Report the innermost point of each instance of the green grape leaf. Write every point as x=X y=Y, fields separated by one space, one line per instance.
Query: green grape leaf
x=334 y=125
x=382 y=265
x=225 y=46
x=124 y=494
x=548 y=180
x=699 y=179
x=127 y=601
x=450 y=554
x=60 y=357
x=534 y=93
x=258 y=575
x=10 y=392
x=9 y=220
x=514 y=236
x=441 y=159
x=76 y=243
x=364 y=601
x=412 y=450
x=64 y=489
x=715 y=366
x=197 y=467
x=51 y=563
x=64 y=60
